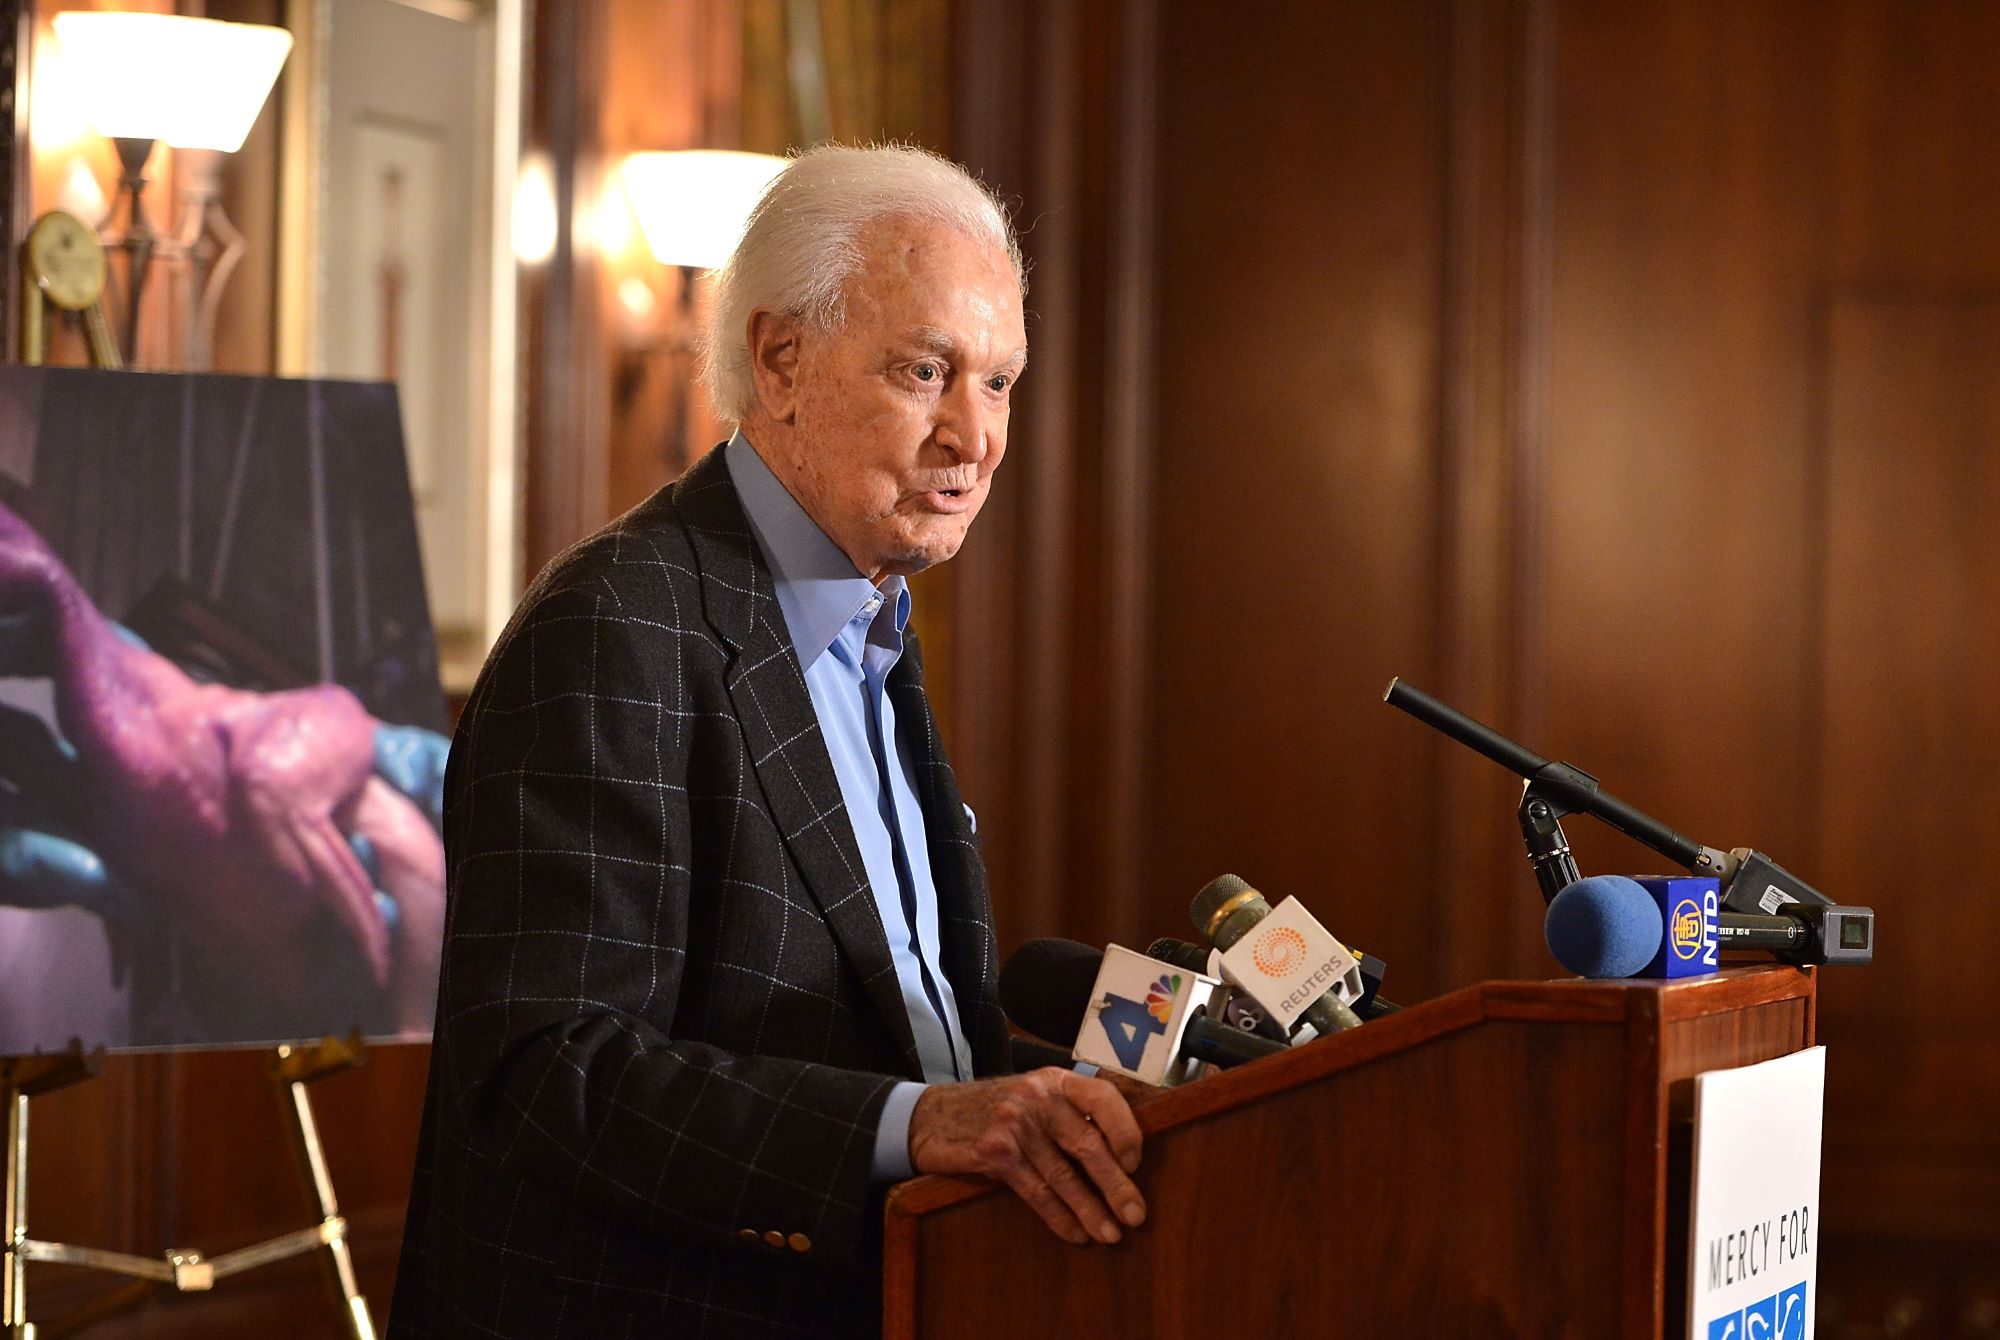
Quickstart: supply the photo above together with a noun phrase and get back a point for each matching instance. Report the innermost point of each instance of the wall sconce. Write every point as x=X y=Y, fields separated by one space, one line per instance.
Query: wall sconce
x=198 y=84
x=692 y=206
x=692 y=203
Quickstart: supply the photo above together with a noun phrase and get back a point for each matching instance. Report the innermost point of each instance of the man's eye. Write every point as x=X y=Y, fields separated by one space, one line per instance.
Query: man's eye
x=999 y=383
x=926 y=372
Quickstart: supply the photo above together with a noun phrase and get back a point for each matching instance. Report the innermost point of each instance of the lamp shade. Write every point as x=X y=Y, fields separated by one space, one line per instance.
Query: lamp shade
x=693 y=203
x=195 y=83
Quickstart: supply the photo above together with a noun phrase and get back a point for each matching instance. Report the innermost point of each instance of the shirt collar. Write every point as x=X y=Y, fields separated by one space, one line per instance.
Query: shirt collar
x=819 y=589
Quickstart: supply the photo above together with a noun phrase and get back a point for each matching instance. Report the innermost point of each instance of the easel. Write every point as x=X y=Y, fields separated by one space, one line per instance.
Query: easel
x=292 y=1068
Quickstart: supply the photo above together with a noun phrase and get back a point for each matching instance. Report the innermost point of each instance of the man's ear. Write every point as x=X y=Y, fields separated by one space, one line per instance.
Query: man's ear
x=774 y=363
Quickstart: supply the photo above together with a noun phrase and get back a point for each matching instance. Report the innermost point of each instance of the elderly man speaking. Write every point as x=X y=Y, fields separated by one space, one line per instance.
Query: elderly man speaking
x=719 y=961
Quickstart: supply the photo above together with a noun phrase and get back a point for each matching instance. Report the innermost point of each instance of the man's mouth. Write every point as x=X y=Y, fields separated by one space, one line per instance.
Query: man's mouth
x=948 y=499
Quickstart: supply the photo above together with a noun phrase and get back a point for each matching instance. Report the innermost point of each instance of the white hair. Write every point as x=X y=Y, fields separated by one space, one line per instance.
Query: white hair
x=802 y=245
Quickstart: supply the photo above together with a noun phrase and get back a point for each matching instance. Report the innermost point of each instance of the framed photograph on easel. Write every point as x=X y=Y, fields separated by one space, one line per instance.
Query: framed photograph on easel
x=221 y=763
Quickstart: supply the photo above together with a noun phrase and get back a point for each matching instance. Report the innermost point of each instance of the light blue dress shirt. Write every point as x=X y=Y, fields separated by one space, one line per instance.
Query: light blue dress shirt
x=848 y=635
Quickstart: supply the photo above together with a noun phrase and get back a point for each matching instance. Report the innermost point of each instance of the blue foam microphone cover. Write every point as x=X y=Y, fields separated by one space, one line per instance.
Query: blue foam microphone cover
x=1604 y=926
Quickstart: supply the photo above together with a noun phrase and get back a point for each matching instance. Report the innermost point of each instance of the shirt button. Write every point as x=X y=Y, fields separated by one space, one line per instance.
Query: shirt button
x=800 y=1242
x=775 y=1238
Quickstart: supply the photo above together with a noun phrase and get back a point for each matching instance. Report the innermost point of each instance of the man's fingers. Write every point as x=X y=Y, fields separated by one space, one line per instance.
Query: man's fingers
x=1055 y=1170
x=1064 y=1144
x=1084 y=1142
x=1027 y=1182
x=1111 y=1114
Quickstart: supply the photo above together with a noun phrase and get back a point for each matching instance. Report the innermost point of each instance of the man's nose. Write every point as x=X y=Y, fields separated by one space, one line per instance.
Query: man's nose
x=966 y=423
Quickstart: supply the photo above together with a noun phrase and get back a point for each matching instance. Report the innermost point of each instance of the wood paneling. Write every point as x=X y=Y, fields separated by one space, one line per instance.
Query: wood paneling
x=1622 y=373
x=567 y=329
x=1043 y=686
x=1912 y=754
x=1295 y=504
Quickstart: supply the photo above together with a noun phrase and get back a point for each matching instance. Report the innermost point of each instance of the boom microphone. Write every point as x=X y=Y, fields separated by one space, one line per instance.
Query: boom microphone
x=1751 y=882
x=1283 y=958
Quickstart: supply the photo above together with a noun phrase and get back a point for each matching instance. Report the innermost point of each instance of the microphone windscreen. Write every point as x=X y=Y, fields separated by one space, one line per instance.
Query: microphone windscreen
x=1213 y=896
x=1604 y=926
x=1045 y=988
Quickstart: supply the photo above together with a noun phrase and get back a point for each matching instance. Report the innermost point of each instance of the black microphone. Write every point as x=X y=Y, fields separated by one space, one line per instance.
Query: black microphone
x=1047 y=988
x=1750 y=881
x=1803 y=933
x=1576 y=789
x=1227 y=910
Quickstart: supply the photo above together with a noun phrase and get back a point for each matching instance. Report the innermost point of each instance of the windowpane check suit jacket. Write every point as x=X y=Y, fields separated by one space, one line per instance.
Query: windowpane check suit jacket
x=667 y=1019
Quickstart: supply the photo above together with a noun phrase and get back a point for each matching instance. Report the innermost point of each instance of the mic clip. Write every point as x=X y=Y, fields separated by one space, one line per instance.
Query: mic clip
x=1555 y=791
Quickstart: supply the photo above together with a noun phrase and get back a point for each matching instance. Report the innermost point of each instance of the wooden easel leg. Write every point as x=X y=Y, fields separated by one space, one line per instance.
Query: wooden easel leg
x=14 y=1279
x=338 y=1258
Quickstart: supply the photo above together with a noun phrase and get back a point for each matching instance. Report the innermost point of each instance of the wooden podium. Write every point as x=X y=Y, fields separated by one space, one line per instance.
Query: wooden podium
x=1507 y=1160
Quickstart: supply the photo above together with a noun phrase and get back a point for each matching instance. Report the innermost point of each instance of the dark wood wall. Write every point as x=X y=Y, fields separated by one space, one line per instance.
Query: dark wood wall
x=1623 y=374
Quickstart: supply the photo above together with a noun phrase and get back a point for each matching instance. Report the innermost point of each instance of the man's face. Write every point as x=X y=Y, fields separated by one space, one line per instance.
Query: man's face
x=901 y=414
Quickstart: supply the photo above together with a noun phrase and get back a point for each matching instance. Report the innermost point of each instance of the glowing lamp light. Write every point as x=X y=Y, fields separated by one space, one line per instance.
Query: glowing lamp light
x=693 y=203
x=195 y=83
x=536 y=226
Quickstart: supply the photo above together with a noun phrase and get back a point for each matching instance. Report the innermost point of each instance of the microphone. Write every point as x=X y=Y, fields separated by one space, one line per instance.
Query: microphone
x=1237 y=1007
x=1805 y=933
x=1612 y=926
x=1750 y=881
x=1119 y=1011
x=1370 y=1005
x=1604 y=926
x=1283 y=958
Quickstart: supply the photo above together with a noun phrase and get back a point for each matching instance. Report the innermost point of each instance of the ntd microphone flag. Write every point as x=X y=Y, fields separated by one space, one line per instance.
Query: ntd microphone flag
x=1138 y=1010
x=1689 y=908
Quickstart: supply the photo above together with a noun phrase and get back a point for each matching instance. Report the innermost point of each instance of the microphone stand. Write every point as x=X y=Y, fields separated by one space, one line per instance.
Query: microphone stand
x=1541 y=818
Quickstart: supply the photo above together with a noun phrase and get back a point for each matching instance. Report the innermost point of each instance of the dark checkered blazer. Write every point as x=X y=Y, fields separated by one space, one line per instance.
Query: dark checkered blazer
x=668 y=1019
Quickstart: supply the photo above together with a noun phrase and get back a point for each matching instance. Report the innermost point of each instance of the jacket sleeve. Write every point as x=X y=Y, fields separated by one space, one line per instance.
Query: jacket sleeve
x=568 y=839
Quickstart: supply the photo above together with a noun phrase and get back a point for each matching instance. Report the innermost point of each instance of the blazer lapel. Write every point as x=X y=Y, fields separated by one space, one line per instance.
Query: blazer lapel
x=965 y=913
x=781 y=731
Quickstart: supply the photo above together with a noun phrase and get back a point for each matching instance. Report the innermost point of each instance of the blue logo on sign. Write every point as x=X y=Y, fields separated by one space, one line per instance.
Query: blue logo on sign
x=1792 y=1313
x=1779 y=1317
x=1130 y=1026
x=1760 y=1320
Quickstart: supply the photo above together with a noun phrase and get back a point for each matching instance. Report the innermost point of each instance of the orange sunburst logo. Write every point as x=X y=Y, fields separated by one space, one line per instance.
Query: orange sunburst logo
x=1279 y=951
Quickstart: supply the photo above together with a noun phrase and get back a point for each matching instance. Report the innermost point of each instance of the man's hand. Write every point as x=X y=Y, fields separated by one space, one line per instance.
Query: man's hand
x=1063 y=1143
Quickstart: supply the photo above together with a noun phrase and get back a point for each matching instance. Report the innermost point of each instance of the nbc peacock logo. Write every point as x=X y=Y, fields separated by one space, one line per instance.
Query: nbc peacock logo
x=1160 y=997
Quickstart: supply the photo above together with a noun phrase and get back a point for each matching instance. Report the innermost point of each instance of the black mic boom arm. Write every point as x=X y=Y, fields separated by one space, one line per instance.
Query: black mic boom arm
x=1751 y=881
